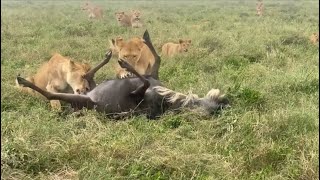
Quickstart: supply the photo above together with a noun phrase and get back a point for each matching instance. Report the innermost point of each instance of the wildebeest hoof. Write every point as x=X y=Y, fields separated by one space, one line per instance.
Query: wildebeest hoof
x=108 y=54
x=21 y=81
x=123 y=63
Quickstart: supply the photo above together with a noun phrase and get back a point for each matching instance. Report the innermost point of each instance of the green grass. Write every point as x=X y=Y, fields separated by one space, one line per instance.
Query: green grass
x=266 y=66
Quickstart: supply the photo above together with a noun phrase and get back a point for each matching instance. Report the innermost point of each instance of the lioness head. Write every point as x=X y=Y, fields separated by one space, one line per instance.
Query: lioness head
x=120 y=15
x=76 y=77
x=136 y=14
x=129 y=51
x=184 y=44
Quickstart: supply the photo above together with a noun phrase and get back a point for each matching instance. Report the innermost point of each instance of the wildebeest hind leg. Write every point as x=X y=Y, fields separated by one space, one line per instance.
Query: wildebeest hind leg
x=141 y=89
x=74 y=99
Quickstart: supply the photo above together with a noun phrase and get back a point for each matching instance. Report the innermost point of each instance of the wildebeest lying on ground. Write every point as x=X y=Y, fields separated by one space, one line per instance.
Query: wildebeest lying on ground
x=135 y=95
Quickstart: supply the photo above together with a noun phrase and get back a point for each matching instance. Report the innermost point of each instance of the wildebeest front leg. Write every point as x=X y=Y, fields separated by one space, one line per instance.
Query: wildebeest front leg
x=141 y=89
x=77 y=100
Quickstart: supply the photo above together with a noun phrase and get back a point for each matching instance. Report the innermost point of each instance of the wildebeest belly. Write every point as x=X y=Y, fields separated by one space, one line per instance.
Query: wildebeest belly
x=114 y=96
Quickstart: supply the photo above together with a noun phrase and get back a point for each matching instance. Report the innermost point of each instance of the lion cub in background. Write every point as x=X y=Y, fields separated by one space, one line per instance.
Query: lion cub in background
x=123 y=19
x=170 y=49
x=93 y=10
x=129 y=20
x=136 y=19
x=61 y=75
x=314 y=38
x=259 y=8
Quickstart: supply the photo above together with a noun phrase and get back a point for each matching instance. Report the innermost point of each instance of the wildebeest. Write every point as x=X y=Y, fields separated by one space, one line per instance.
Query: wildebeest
x=140 y=94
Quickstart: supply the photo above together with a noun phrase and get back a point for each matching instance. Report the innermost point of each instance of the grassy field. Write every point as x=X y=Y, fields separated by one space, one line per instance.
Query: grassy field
x=266 y=66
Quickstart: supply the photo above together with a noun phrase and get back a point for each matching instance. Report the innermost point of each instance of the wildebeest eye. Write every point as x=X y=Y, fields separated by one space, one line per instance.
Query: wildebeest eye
x=87 y=89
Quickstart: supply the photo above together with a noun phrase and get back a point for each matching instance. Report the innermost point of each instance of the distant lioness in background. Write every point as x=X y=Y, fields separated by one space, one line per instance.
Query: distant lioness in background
x=259 y=8
x=93 y=10
x=62 y=75
x=136 y=21
x=314 y=38
x=170 y=49
x=136 y=53
x=123 y=19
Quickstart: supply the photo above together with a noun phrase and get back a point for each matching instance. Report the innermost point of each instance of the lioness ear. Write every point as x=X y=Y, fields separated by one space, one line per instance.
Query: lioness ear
x=189 y=41
x=181 y=41
x=141 y=43
x=86 y=67
x=71 y=65
x=119 y=41
x=112 y=42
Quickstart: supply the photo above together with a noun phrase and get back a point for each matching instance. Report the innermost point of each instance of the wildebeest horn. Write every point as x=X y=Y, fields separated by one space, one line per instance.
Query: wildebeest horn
x=156 y=66
x=91 y=73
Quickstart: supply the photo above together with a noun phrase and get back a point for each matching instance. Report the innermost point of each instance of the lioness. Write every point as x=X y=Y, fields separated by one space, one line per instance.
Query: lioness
x=259 y=8
x=170 y=49
x=136 y=53
x=314 y=38
x=93 y=10
x=62 y=75
x=123 y=19
x=136 y=19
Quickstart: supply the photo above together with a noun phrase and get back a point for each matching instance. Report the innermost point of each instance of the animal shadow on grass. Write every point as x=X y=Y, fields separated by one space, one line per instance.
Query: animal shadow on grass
x=294 y=39
x=211 y=44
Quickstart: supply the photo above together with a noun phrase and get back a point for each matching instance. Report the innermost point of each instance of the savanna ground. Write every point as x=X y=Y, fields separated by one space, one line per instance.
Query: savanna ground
x=266 y=66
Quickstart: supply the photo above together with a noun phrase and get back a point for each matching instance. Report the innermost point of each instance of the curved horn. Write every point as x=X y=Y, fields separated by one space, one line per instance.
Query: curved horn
x=156 y=66
x=95 y=69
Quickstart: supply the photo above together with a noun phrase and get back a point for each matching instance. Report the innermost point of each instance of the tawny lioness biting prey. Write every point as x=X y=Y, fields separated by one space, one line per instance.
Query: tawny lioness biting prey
x=62 y=75
x=136 y=53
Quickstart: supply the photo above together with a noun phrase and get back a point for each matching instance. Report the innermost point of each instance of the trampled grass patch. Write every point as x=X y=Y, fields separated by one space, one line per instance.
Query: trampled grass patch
x=265 y=65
